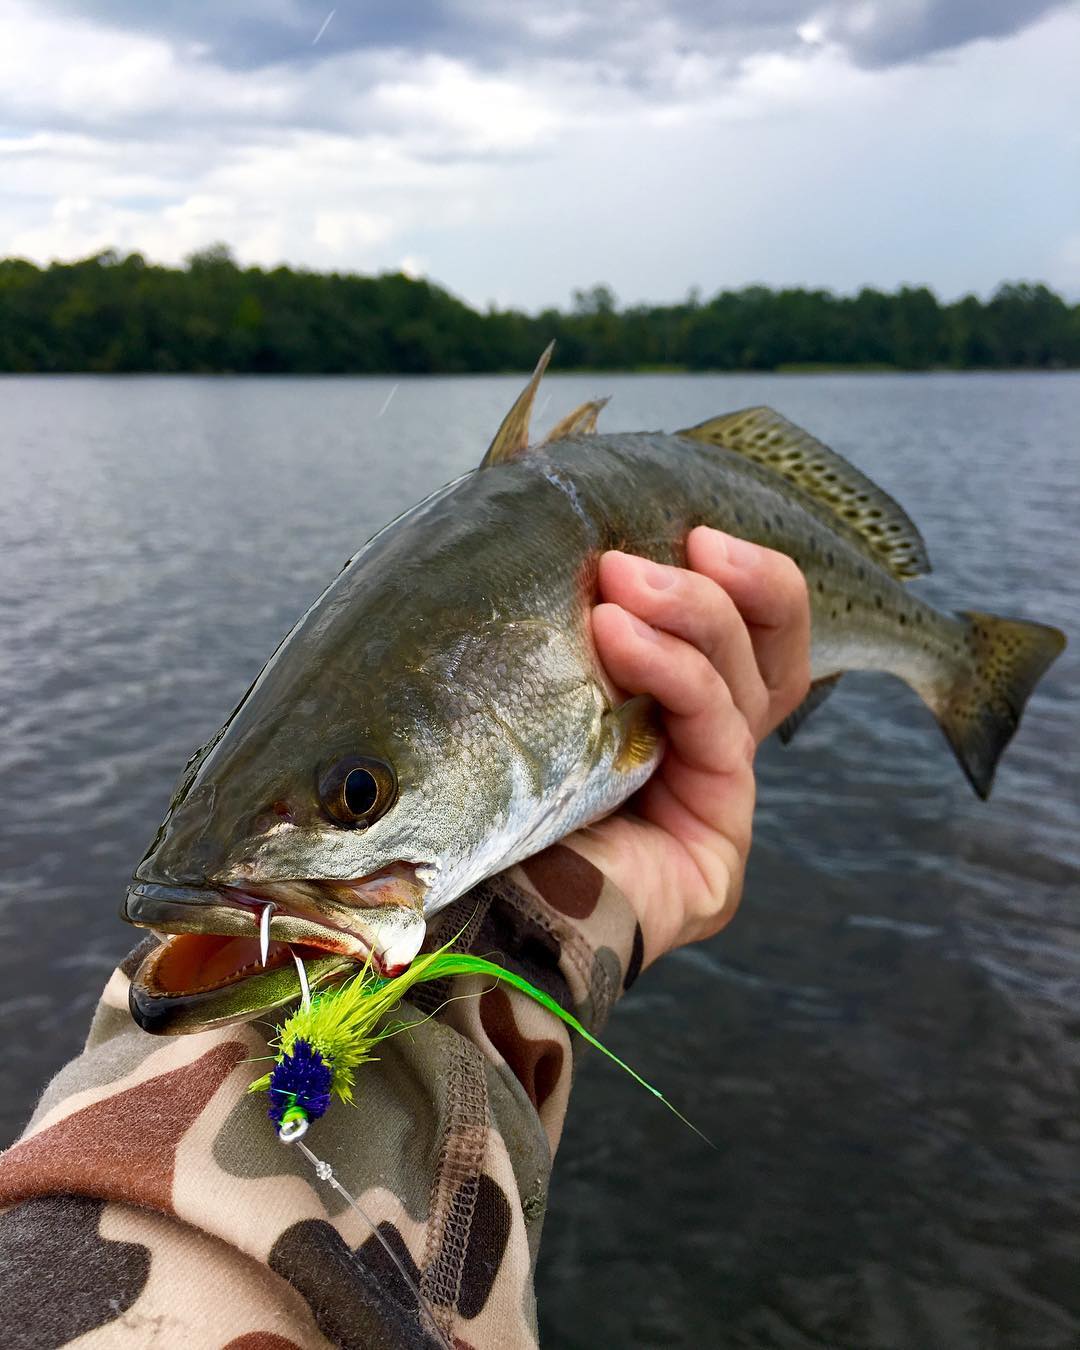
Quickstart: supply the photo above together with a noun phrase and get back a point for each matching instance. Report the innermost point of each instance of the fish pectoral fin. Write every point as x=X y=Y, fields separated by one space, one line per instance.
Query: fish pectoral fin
x=512 y=438
x=637 y=732
x=819 y=692
x=831 y=487
x=580 y=422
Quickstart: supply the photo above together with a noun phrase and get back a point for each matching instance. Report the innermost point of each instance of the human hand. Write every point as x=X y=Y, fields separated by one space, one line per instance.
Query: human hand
x=723 y=645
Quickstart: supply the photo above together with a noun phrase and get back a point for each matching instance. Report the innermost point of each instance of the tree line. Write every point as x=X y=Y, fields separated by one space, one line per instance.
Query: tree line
x=109 y=313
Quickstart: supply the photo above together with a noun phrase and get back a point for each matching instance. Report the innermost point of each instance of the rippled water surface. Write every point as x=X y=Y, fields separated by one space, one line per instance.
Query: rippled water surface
x=885 y=1043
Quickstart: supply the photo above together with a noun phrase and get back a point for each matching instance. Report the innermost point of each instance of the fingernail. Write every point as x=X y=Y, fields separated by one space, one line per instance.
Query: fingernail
x=741 y=553
x=657 y=576
x=644 y=631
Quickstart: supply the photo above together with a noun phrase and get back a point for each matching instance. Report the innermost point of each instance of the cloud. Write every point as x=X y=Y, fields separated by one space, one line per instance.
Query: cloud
x=453 y=78
x=491 y=34
x=78 y=78
x=252 y=34
x=877 y=33
x=671 y=149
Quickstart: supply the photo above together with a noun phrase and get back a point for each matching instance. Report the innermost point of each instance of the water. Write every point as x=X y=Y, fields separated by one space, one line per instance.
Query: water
x=884 y=1045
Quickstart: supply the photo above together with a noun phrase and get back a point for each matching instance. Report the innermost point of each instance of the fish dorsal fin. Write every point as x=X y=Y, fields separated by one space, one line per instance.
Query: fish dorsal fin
x=580 y=422
x=512 y=438
x=831 y=486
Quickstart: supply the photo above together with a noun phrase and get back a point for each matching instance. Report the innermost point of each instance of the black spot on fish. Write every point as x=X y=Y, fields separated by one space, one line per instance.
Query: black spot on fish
x=878 y=601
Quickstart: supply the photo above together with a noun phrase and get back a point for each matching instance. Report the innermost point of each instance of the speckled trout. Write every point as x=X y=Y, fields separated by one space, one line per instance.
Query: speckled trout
x=440 y=713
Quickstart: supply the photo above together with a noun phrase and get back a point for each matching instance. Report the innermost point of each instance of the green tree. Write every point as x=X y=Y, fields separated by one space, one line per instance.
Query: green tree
x=114 y=313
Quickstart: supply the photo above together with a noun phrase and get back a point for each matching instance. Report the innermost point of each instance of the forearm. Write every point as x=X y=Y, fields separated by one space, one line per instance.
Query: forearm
x=149 y=1159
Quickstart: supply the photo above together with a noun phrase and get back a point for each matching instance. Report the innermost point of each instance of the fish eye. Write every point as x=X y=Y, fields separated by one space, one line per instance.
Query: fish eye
x=358 y=790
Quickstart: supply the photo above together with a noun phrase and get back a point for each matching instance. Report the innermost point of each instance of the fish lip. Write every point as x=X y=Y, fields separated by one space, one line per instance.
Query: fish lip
x=149 y=904
x=305 y=912
x=215 y=909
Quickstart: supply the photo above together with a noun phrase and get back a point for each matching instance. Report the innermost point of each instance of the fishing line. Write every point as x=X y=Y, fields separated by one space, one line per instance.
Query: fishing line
x=325 y=1172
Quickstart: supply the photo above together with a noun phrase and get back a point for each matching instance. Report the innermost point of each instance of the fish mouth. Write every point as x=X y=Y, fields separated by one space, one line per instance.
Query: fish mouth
x=209 y=969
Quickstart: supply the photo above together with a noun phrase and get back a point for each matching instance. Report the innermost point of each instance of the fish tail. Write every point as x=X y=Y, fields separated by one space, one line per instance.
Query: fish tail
x=981 y=708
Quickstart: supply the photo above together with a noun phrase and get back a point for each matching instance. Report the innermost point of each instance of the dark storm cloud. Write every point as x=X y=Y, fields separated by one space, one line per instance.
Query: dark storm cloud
x=893 y=32
x=246 y=34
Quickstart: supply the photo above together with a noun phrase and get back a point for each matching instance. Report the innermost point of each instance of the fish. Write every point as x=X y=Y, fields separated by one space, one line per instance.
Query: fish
x=440 y=712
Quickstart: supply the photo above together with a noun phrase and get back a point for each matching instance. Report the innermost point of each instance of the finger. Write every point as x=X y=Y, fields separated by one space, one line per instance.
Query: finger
x=706 y=729
x=704 y=793
x=770 y=593
x=692 y=607
x=711 y=815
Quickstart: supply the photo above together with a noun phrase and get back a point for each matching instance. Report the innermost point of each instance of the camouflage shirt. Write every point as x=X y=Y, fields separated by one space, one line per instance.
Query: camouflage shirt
x=150 y=1203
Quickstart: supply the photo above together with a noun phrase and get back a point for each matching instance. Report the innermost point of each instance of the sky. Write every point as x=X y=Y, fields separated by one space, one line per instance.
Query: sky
x=515 y=152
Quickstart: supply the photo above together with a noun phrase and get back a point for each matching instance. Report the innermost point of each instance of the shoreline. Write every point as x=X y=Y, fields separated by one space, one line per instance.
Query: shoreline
x=787 y=369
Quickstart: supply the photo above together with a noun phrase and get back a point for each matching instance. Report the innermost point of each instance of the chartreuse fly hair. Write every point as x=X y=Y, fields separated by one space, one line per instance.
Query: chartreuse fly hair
x=320 y=1047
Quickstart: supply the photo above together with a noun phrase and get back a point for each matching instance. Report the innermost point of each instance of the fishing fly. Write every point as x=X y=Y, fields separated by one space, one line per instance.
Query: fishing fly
x=319 y=1048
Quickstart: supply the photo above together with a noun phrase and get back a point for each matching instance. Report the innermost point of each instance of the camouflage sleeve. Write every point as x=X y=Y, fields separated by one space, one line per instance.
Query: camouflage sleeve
x=150 y=1203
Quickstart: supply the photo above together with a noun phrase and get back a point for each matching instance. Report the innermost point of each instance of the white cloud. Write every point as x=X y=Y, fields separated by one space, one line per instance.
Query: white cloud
x=72 y=73
x=442 y=107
